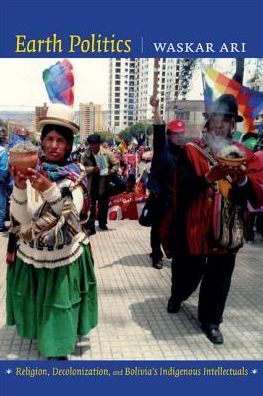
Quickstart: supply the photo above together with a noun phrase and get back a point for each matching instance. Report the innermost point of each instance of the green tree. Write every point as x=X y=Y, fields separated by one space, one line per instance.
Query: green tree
x=138 y=131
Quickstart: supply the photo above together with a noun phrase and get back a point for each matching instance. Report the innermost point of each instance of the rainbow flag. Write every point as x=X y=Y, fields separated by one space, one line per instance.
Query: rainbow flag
x=59 y=82
x=250 y=102
x=122 y=147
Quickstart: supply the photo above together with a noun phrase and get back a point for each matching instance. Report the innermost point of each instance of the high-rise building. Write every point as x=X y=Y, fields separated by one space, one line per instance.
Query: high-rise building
x=131 y=86
x=40 y=112
x=90 y=119
x=121 y=93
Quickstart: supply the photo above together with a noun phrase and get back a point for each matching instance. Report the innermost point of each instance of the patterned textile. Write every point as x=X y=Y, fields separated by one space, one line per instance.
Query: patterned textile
x=47 y=227
x=55 y=172
x=72 y=171
x=250 y=102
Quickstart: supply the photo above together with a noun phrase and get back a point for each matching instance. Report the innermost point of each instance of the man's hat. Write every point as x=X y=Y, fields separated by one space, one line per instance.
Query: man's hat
x=176 y=126
x=226 y=104
x=95 y=138
x=61 y=115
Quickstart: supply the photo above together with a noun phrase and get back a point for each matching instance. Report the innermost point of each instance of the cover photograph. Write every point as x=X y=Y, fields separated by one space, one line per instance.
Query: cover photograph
x=131 y=199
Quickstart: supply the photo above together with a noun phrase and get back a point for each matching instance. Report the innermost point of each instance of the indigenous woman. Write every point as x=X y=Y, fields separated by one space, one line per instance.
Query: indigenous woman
x=51 y=286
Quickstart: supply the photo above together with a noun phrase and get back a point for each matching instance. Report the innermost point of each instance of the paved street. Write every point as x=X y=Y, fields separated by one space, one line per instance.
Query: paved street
x=133 y=322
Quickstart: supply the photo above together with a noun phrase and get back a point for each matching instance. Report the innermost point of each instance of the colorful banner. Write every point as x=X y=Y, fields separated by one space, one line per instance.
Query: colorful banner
x=250 y=102
x=122 y=147
x=126 y=206
x=59 y=82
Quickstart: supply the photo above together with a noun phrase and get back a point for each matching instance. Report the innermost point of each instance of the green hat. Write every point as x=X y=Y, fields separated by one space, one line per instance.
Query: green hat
x=250 y=143
x=238 y=136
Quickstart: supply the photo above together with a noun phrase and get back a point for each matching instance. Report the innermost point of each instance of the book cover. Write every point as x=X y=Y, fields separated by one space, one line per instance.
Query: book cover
x=106 y=59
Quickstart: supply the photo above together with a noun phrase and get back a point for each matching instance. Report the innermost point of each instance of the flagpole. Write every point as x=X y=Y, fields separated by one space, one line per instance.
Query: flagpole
x=155 y=79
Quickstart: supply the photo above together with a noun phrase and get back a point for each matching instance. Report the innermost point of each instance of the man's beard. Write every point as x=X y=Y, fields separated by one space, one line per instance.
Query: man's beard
x=215 y=142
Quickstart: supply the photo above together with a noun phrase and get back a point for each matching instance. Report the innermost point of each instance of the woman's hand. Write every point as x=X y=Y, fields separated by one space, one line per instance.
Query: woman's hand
x=217 y=172
x=19 y=178
x=38 y=181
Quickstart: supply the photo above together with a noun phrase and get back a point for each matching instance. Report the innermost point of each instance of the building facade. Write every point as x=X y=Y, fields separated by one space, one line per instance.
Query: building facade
x=191 y=112
x=40 y=112
x=131 y=86
x=121 y=93
x=90 y=119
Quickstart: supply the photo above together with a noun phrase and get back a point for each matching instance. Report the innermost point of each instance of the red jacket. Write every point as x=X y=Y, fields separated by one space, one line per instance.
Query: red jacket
x=194 y=199
x=199 y=214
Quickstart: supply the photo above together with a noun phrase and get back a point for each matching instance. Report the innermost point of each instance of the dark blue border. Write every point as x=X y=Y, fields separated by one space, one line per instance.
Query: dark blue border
x=202 y=21
x=154 y=382
x=142 y=22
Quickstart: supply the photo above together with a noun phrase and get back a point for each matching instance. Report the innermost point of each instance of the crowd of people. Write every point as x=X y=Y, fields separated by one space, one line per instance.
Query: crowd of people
x=198 y=205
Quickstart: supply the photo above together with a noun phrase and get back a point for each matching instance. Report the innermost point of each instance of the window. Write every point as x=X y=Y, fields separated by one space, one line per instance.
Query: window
x=185 y=115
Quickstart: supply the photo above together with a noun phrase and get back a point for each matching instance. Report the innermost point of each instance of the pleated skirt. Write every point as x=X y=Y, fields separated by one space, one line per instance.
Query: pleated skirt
x=53 y=306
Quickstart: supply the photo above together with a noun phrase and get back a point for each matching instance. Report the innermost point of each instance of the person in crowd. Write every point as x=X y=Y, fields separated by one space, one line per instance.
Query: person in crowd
x=199 y=255
x=255 y=218
x=51 y=285
x=131 y=182
x=167 y=142
x=4 y=179
x=99 y=163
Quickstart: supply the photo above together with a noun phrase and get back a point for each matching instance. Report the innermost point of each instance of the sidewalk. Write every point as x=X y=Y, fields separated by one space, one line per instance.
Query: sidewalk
x=133 y=322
